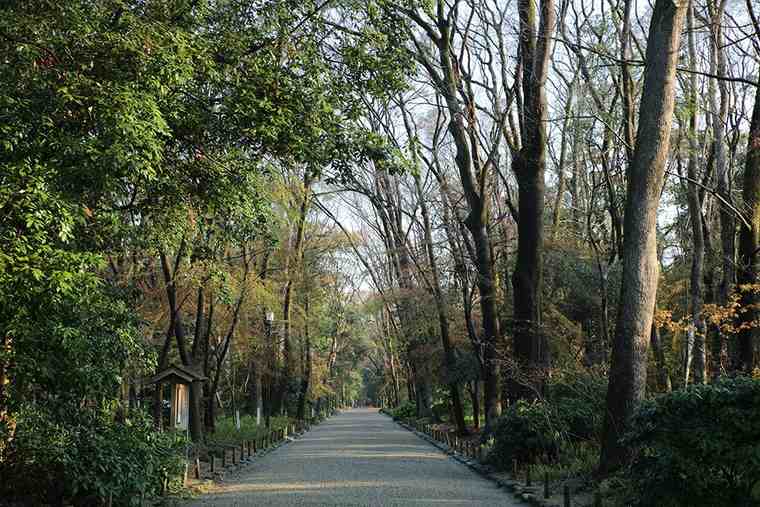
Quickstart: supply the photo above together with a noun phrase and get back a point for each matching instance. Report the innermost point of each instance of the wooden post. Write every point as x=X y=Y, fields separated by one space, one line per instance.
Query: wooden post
x=197 y=467
x=213 y=463
x=566 y=495
x=514 y=468
x=224 y=458
x=546 y=485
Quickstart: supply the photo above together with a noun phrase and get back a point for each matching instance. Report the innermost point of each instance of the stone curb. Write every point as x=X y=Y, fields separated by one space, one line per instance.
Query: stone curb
x=529 y=494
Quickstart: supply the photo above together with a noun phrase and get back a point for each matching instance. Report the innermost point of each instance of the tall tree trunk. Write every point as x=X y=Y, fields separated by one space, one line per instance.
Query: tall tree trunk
x=385 y=317
x=475 y=398
x=696 y=333
x=287 y=360
x=461 y=272
x=627 y=382
x=391 y=216
x=576 y=222
x=530 y=345
x=441 y=305
x=749 y=245
x=6 y=377
x=474 y=184
x=663 y=377
x=208 y=396
x=306 y=376
x=719 y=109
x=561 y=183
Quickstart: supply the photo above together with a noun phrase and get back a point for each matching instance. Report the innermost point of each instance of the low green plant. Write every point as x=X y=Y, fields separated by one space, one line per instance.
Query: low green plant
x=527 y=432
x=698 y=446
x=406 y=410
x=578 y=401
x=555 y=430
x=226 y=433
x=90 y=458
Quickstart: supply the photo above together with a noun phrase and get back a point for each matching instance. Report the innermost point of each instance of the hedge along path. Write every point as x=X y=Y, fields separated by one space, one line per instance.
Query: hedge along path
x=222 y=459
x=358 y=457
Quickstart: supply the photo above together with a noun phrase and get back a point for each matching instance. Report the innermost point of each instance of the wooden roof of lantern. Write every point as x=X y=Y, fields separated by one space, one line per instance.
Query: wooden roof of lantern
x=176 y=375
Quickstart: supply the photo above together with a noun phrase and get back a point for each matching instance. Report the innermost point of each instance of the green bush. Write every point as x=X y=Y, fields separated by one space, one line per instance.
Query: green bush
x=226 y=433
x=526 y=431
x=698 y=446
x=404 y=411
x=89 y=458
x=578 y=401
x=569 y=418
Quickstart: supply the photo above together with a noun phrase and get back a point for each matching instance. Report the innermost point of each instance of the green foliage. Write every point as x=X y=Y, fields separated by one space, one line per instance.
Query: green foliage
x=526 y=431
x=578 y=400
x=128 y=127
x=405 y=410
x=226 y=433
x=570 y=417
x=698 y=446
x=88 y=457
x=573 y=282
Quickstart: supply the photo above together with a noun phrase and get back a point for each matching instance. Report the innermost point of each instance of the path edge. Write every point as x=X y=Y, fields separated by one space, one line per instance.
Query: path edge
x=527 y=494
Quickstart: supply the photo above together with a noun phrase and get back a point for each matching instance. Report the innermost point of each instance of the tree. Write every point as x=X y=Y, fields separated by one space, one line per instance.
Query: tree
x=627 y=377
x=530 y=345
x=749 y=238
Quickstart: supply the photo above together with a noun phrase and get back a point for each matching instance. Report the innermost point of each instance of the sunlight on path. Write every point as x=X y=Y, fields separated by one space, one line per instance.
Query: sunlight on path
x=359 y=457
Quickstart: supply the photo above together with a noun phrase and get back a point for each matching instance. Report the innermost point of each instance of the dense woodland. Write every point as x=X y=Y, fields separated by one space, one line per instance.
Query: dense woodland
x=535 y=223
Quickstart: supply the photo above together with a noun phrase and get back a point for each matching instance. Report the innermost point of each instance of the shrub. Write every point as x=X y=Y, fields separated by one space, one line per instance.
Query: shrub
x=698 y=446
x=525 y=432
x=226 y=433
x=568 y=419
x=89 y=458
x=405 y=410
x=578 y=400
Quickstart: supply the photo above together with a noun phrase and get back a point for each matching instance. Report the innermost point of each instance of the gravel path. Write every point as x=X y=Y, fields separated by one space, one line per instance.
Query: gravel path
x=359 y=457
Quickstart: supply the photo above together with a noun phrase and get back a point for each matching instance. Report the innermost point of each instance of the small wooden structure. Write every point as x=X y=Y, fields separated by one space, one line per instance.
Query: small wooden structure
x=180 y=378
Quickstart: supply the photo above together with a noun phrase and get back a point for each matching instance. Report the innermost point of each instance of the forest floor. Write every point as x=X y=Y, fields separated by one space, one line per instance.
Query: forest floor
x=358 y=457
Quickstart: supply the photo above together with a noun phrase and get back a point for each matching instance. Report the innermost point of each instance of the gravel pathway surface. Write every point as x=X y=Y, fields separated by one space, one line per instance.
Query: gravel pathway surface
x=358 y=457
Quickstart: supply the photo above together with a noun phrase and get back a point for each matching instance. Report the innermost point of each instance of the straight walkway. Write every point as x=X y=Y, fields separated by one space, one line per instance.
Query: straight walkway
x=358 y=457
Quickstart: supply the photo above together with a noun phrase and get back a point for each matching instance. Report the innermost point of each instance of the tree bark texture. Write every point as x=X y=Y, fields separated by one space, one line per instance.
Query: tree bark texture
x=749 y=244
x=696 y=352
x=627 y=377
x=530 y=345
